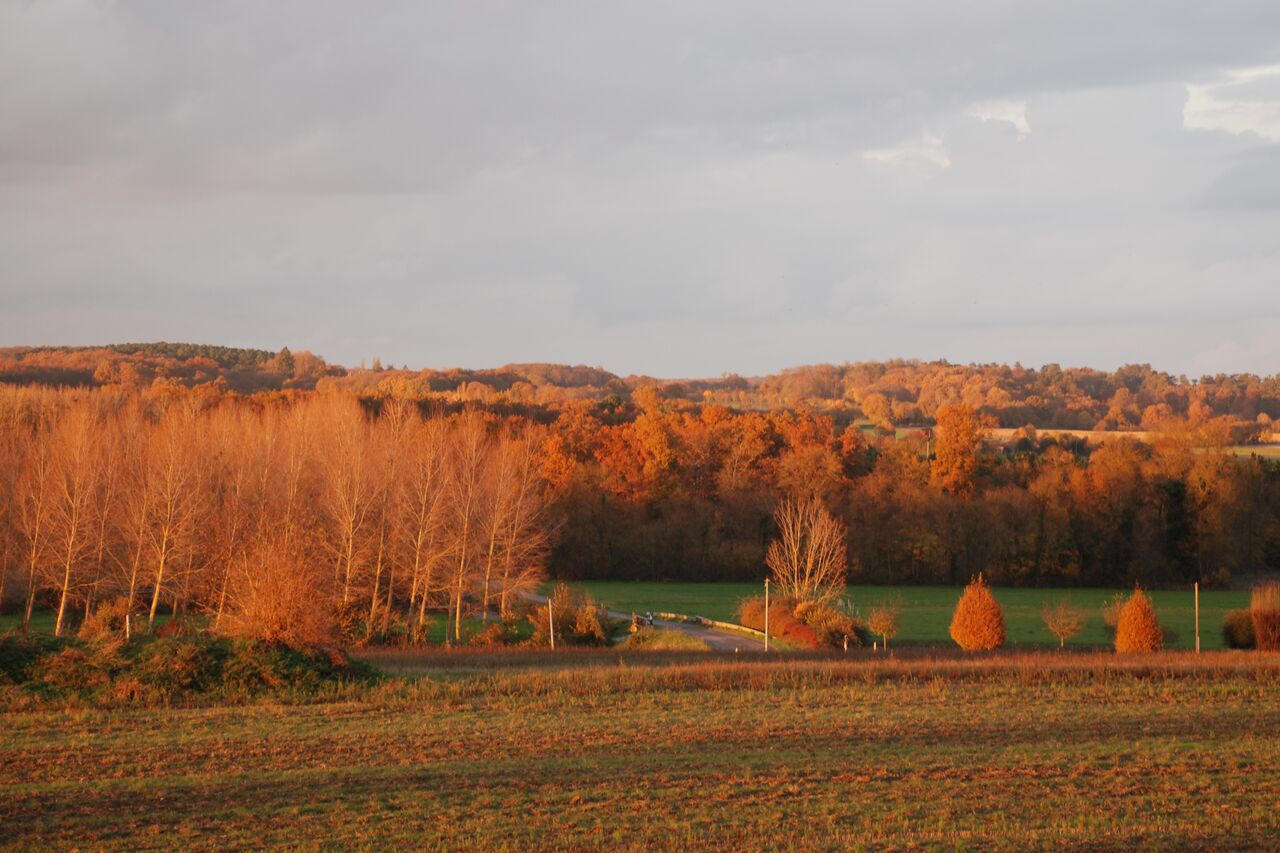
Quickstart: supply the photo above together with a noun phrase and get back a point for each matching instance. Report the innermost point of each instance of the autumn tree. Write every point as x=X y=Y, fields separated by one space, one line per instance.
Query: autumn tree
x=1264 y=610
x=883 y=620
x=35 y=493
x=807 y=561
x=955 y=463
x=1137 y=629
x=469 y=458
x=1063 y=620
x=978 y=620
x=76 y=453
x=173 y=477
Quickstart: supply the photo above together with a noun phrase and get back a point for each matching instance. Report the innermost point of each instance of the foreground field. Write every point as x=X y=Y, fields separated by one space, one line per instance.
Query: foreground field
x=592 y=749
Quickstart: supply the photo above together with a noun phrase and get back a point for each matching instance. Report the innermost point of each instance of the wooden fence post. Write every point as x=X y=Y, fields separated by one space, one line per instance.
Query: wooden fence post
x=766 y=614
x=1197 y=586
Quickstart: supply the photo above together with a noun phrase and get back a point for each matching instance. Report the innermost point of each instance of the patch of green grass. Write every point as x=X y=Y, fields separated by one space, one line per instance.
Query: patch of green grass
x=42 y=621
x=926 y=611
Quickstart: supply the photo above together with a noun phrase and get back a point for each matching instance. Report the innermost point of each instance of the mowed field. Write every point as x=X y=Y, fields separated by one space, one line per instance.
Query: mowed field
x=926 y=610
x=583 y=751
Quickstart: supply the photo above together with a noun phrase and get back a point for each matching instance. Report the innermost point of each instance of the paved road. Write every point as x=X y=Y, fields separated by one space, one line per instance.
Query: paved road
x=717 y=638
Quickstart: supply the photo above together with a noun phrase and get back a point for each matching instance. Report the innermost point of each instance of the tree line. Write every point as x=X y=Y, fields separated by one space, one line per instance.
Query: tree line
x=369 y=512
x=903 y=392
x=283 y=519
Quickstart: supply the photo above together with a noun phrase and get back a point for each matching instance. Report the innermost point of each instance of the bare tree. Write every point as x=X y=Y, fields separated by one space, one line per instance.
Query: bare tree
x=421 y=506
x=469 y=453
x=349 y=487
x=76 y=455
x=174 y=479
x=525 y=546
x=808 y=559
x=1063 y=620
x=35 y=492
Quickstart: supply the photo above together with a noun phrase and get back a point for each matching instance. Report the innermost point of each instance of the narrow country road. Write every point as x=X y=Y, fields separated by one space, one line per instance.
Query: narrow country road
x=719 y=639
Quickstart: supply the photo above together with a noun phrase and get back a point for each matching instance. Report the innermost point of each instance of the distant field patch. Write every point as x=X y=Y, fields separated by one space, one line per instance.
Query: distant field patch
x=926 y=611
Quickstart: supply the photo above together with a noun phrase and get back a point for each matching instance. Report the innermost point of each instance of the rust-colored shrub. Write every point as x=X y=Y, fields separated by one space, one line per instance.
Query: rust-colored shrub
x=107 y=621
x=1137 y=629
x=833 y=627
x=801 y=623
x=1111 y=611
x=493 y=634
x=1237 y=629
x=978 y=621
x=579 y=620
x=280 y=596
x=1264 y=607
x=800 y=634
x=751 y=612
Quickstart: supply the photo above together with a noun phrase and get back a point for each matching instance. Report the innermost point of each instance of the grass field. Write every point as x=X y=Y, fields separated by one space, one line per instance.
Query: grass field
x=990 y=754
x=926 y=612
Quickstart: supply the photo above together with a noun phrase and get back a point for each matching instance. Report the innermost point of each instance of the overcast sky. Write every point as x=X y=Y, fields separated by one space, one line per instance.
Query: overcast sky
x=674 y=188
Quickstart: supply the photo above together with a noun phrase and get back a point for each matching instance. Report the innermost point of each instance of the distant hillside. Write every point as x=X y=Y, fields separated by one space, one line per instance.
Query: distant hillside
x=144 y=364
x=888 y=394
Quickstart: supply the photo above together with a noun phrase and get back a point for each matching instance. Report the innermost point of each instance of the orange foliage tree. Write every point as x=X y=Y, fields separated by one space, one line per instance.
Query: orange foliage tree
x=978 y=621
x=1137 y=629
x=955 y=464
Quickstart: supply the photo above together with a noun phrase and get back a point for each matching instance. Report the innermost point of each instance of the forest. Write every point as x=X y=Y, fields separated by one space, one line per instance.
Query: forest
x=888 y=394
x=364 y=504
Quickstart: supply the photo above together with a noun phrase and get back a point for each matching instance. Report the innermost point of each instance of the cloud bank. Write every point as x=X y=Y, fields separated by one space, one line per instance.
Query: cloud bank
x=671 y=188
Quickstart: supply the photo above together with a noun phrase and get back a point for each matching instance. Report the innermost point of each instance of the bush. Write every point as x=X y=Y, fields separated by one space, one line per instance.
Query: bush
x=1137 y=629
x=579 y=620
x=1264 y=607
x=802 y=623
x=494 y=634
x=832 y=627
x=282 y=596
x=1237 y=629
x=1111 y=611
x=20 y=654
x=71 y=669
x=164 y=669
x=978 y=621
x=799 y=634
x=107 y=621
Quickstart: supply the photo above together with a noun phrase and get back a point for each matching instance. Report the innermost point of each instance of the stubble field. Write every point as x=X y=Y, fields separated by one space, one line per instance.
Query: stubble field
x=601 y=749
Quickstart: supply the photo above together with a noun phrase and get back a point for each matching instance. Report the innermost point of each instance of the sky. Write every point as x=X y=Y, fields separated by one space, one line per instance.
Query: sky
x=672 y=188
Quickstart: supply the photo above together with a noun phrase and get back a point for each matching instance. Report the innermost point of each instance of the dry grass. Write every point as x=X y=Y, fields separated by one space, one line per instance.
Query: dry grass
x=998 y=751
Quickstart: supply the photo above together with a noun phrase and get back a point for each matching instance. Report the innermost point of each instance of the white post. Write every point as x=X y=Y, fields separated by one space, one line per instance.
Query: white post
x=1197 y=586
x=126 y=626
x=551 y=622
x=766 y=614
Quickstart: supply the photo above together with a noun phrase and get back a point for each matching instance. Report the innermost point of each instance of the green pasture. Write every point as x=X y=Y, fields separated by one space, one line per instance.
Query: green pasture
x=926 y=610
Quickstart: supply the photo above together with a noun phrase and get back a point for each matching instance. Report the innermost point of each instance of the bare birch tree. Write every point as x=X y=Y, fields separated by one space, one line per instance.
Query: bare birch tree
x=807 y=560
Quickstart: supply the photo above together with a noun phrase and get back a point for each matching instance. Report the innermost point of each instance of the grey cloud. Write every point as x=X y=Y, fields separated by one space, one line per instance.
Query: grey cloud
x=672 y=188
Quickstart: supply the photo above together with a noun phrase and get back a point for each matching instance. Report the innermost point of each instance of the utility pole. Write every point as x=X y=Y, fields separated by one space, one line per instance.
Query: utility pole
x=1197 y=588
x=766 y=614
